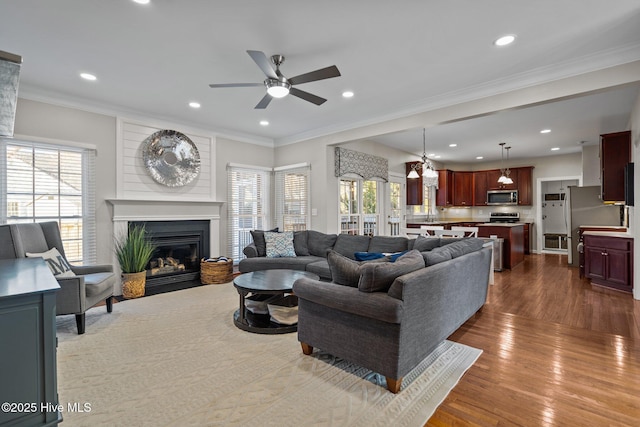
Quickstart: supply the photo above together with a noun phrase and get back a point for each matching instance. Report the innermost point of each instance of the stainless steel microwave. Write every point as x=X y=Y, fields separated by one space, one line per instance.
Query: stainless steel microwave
x=502 y=197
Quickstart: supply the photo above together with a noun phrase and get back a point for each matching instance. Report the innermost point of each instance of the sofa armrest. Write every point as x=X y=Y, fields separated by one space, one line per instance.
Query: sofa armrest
x=250 y=251
x=374 y=305
x=71 y=298
x=90 y=269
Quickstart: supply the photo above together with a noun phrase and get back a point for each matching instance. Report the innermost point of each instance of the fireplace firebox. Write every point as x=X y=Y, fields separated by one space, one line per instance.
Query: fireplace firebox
x=180 y=246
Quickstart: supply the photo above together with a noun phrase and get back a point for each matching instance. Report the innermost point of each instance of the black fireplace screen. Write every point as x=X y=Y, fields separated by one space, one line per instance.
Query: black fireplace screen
x=180 y=246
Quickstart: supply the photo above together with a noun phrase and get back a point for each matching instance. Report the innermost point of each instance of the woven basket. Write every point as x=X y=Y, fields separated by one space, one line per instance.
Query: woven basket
x=216 y=272
x=133 y=284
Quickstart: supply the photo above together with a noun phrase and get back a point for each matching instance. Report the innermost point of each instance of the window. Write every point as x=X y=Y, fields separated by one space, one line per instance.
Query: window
x=427 y=199
x=43 y=182
x=248 y=206
x=359 y=206
x=395 y=208
x=292 y=198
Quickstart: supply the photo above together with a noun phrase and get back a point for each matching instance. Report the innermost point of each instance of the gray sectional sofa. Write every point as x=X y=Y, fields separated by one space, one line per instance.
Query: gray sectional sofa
x=369 y=316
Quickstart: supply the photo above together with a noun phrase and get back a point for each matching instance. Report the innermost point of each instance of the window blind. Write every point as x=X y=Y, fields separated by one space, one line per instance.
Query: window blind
x=47 y=182
x=292 y=201
x=247 y=208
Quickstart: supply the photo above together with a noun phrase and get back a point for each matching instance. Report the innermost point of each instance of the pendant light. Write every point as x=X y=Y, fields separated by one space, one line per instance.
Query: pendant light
x=505 y=172
x=429 y=173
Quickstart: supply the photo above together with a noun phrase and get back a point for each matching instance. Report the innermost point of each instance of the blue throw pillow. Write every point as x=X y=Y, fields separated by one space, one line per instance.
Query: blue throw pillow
x=395 y=256
x=367 y=256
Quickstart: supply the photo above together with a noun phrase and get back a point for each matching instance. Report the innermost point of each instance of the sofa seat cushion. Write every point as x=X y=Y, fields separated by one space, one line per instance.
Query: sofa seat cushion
x=321 y=268
x=319 y=243
x=348 y=245
x=378 y=277
x=388 y=244
x=98 y=283
x=262 y=263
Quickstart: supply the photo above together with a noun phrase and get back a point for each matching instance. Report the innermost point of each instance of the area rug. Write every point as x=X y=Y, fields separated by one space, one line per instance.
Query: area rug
x=176 y=359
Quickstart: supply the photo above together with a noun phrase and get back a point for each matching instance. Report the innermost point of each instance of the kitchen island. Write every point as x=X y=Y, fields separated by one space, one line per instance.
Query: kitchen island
x=513 y=235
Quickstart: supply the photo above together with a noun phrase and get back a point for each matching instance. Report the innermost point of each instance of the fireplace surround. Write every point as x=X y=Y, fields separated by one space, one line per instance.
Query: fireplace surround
x=179 y=247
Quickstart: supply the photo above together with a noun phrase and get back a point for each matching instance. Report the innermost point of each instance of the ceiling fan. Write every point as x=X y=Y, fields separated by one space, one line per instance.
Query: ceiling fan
x=279 y=86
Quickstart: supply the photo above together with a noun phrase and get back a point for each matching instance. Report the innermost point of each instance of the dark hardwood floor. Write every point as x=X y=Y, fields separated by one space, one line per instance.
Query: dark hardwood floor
x=557 y=351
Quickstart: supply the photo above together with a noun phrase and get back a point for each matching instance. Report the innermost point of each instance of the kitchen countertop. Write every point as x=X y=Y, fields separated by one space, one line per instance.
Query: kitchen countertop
x=624 y=234
x=502 y=224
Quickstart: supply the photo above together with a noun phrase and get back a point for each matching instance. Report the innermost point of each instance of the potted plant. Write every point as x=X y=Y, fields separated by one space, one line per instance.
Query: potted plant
x=134 y=253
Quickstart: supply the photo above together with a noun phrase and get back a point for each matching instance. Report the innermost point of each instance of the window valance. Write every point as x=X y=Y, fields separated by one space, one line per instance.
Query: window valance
x=361 y=164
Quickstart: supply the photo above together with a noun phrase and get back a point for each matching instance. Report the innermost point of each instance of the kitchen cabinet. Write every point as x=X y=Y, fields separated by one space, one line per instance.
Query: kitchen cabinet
x=28 y=337
x=527 y=238
x=444 y=193
x=525 y=184
x=415 y=193
x=480 y=188
x=615 y=153
x=608 y=260
x=462 y=188
x=513 y=235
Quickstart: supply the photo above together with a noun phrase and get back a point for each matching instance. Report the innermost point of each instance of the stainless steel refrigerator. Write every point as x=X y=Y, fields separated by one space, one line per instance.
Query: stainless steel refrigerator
x=585 y=207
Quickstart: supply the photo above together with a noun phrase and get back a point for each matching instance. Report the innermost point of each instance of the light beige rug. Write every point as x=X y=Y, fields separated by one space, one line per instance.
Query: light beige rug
x=176 y=359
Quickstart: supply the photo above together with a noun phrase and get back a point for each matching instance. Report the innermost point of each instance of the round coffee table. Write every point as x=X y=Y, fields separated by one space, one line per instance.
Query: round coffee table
x=266 y=282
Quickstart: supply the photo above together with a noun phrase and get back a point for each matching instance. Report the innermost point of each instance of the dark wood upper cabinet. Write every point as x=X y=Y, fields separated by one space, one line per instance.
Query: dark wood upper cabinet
x=480 y=188
x=444 y=193
x=525 y=184
x=462 y=188
x=615 y=153
x=415 y=192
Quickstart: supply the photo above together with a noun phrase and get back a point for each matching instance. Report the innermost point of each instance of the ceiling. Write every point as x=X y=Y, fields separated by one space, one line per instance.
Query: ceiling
x=399 y=58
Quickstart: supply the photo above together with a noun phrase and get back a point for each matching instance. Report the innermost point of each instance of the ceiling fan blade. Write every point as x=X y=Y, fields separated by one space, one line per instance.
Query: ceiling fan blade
x=307 y=96
x=321 y=74
x=264 y=102
x=236 y=85
x=263 y=62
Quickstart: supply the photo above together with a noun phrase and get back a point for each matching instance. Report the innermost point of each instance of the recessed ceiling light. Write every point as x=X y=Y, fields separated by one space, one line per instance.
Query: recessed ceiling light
x=555 y=148
x=142 y=1
x=431 y=154
x=453 y=145
x=194 y=104
x=437 y=157
x=347 y=94
x=505 y=40
x=264 y=123
x=479 y=158
x=88 y=76
x=545 y=131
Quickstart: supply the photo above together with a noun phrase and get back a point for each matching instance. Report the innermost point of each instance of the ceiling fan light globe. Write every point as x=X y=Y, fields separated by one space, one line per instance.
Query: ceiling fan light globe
x=277 y=89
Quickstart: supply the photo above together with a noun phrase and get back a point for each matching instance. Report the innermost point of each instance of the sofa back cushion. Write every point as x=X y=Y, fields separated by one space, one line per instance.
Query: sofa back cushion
x=452 y=250
x=348 y=245
x=345 y=271
x=388 y=244
x=423 y=244
x=300 y=243
x=320 y=243
x=378 y=277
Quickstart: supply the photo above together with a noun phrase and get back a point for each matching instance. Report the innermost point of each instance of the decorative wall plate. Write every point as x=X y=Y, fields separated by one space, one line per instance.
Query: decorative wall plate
x=171 y=158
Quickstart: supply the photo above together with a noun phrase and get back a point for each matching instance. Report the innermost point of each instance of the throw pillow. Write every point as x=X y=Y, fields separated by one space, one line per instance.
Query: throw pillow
x=319 y=243
x=367 y=256
x=58 y=265
x=258 y=241
x=279 y=244
x=379 y=276
x=423 y=244
x=436 y=256
x=345 y=271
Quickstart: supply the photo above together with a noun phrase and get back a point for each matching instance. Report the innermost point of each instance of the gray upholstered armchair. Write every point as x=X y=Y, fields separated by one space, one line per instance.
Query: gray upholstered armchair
x=89 y=286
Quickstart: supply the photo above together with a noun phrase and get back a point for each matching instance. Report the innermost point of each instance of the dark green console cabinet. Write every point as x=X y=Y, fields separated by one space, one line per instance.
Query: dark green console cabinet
x=28 y=383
